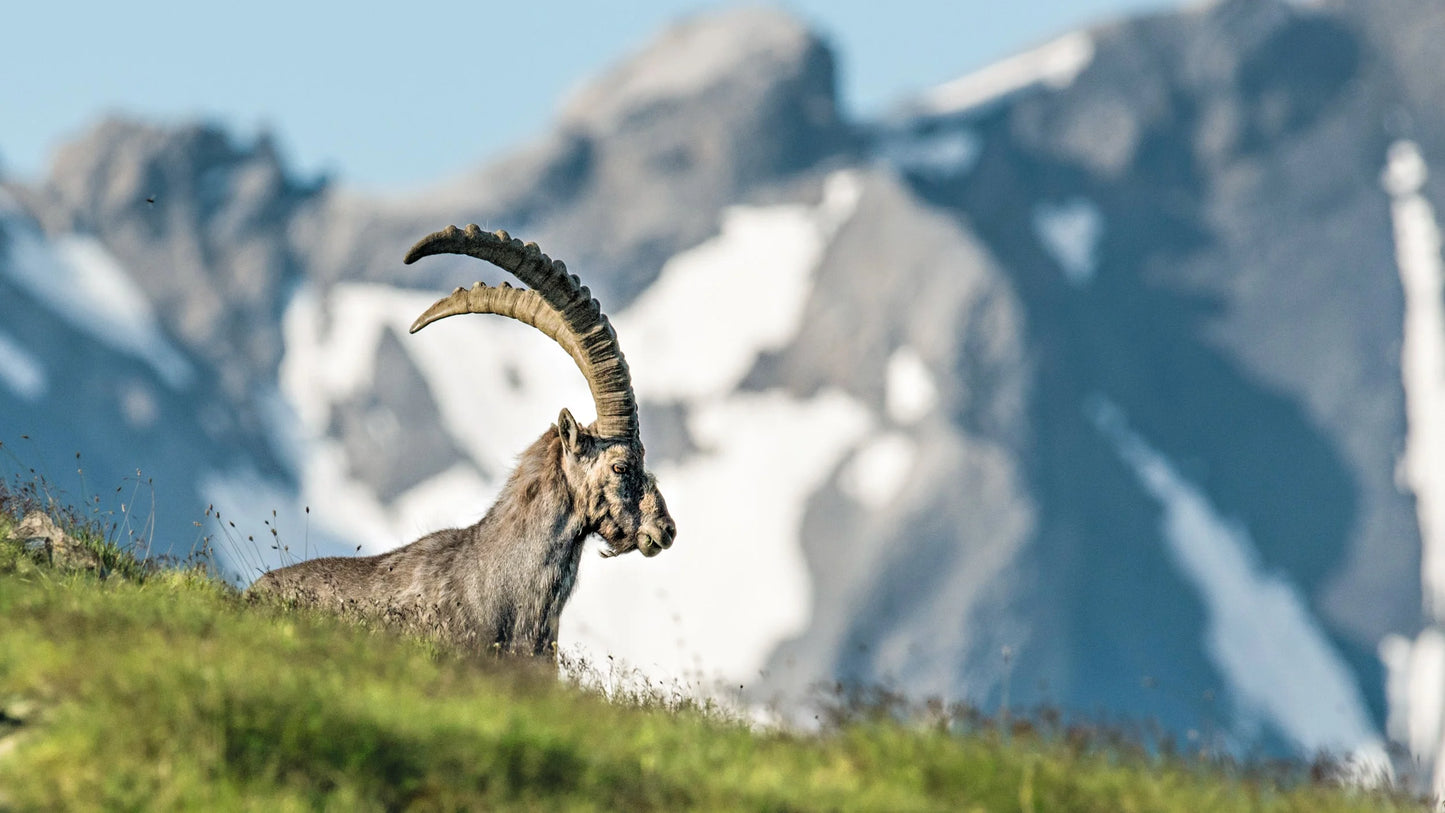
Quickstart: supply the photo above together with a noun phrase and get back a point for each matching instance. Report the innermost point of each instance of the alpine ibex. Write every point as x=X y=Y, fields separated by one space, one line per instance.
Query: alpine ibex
x=503 y=582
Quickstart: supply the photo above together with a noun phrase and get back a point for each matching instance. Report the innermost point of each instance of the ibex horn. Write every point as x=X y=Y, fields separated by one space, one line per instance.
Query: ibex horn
x=558 y=305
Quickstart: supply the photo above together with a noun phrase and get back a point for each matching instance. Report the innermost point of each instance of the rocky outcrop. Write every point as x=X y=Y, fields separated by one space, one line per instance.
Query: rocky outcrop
x=201 y=223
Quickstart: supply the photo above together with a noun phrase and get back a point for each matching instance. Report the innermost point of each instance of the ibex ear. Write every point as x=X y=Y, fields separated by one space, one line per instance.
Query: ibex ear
x=574 y=437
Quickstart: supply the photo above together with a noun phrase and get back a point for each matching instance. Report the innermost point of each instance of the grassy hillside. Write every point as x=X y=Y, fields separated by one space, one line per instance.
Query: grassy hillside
x=128 y=687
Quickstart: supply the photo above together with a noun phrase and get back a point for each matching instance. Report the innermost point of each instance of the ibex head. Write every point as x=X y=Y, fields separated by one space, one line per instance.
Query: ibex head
x=603 y=463
x=616 y=494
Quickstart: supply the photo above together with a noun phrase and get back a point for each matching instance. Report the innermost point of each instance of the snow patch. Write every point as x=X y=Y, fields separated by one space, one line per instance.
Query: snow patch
x=1261 y=634
x=1070 y=232
x=455 y=498
x=879 y=470
x=1422 y=357
x=247 y=498
x=345 y=517
x=21 y=372
x=82 y=283
x=1055 y=65
x=696 y=332
x=706 y=608
x=499 y=384
x=331 y=349
x=346 y=506
x=1416 y=675
x=331 y=346
x=911 y=392
x=736 y=584
x=138 y=405
x=940 y=154
x=1417 y=670
x=1405 y=169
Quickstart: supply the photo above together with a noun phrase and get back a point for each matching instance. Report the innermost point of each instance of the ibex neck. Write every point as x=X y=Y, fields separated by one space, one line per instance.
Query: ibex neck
x=536 y=508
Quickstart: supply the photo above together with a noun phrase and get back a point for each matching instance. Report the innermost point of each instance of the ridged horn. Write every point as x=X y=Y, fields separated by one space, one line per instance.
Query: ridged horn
x=558 y=305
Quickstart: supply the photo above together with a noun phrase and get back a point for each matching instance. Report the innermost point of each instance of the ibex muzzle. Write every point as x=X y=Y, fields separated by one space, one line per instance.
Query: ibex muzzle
x=504 y=581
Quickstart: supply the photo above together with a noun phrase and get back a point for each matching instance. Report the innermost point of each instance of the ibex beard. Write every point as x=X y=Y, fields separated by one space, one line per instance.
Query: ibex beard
x=502 y=583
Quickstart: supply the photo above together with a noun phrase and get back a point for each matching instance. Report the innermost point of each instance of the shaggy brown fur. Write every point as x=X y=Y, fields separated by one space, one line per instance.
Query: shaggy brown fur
x=503 y=582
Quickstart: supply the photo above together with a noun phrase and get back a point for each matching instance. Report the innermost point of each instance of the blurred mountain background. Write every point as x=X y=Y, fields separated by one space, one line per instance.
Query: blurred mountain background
x=1109 y=376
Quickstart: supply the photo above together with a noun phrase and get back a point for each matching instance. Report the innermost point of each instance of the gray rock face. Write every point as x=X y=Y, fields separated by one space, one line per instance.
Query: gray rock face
x=1241 y=307
x=200 y=223
x=392 y=433
x=921 y=585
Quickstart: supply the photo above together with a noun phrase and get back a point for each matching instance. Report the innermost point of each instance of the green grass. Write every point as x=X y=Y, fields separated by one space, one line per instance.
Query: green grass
x=162 y=688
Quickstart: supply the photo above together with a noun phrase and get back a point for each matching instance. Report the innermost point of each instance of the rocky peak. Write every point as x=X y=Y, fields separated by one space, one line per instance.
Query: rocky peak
x=200 y=221
x=130 y=170
x=715 y=108
x=750 y=50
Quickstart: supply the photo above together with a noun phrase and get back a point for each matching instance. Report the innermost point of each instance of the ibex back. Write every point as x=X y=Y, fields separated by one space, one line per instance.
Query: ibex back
x=502 y=583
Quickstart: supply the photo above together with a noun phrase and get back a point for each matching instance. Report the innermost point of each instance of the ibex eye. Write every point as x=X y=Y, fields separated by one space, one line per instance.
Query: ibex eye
x=620 y=468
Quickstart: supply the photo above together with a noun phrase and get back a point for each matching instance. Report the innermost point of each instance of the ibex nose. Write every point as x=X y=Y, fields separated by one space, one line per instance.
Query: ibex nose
x=669 y=531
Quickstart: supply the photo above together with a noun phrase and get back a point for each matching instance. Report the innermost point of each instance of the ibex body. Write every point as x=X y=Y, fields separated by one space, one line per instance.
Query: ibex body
x=504 y=581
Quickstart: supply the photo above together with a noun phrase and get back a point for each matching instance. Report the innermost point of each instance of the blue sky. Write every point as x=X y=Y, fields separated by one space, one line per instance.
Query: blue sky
x=388 y=97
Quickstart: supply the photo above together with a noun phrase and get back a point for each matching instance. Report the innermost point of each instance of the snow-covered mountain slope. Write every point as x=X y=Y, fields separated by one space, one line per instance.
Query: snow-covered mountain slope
x=1285 y=672
x=497 y=384
x=1101 y=377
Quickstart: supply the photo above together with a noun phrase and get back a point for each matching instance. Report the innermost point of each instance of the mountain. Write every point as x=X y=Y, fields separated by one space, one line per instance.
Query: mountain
x=1104 y=377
